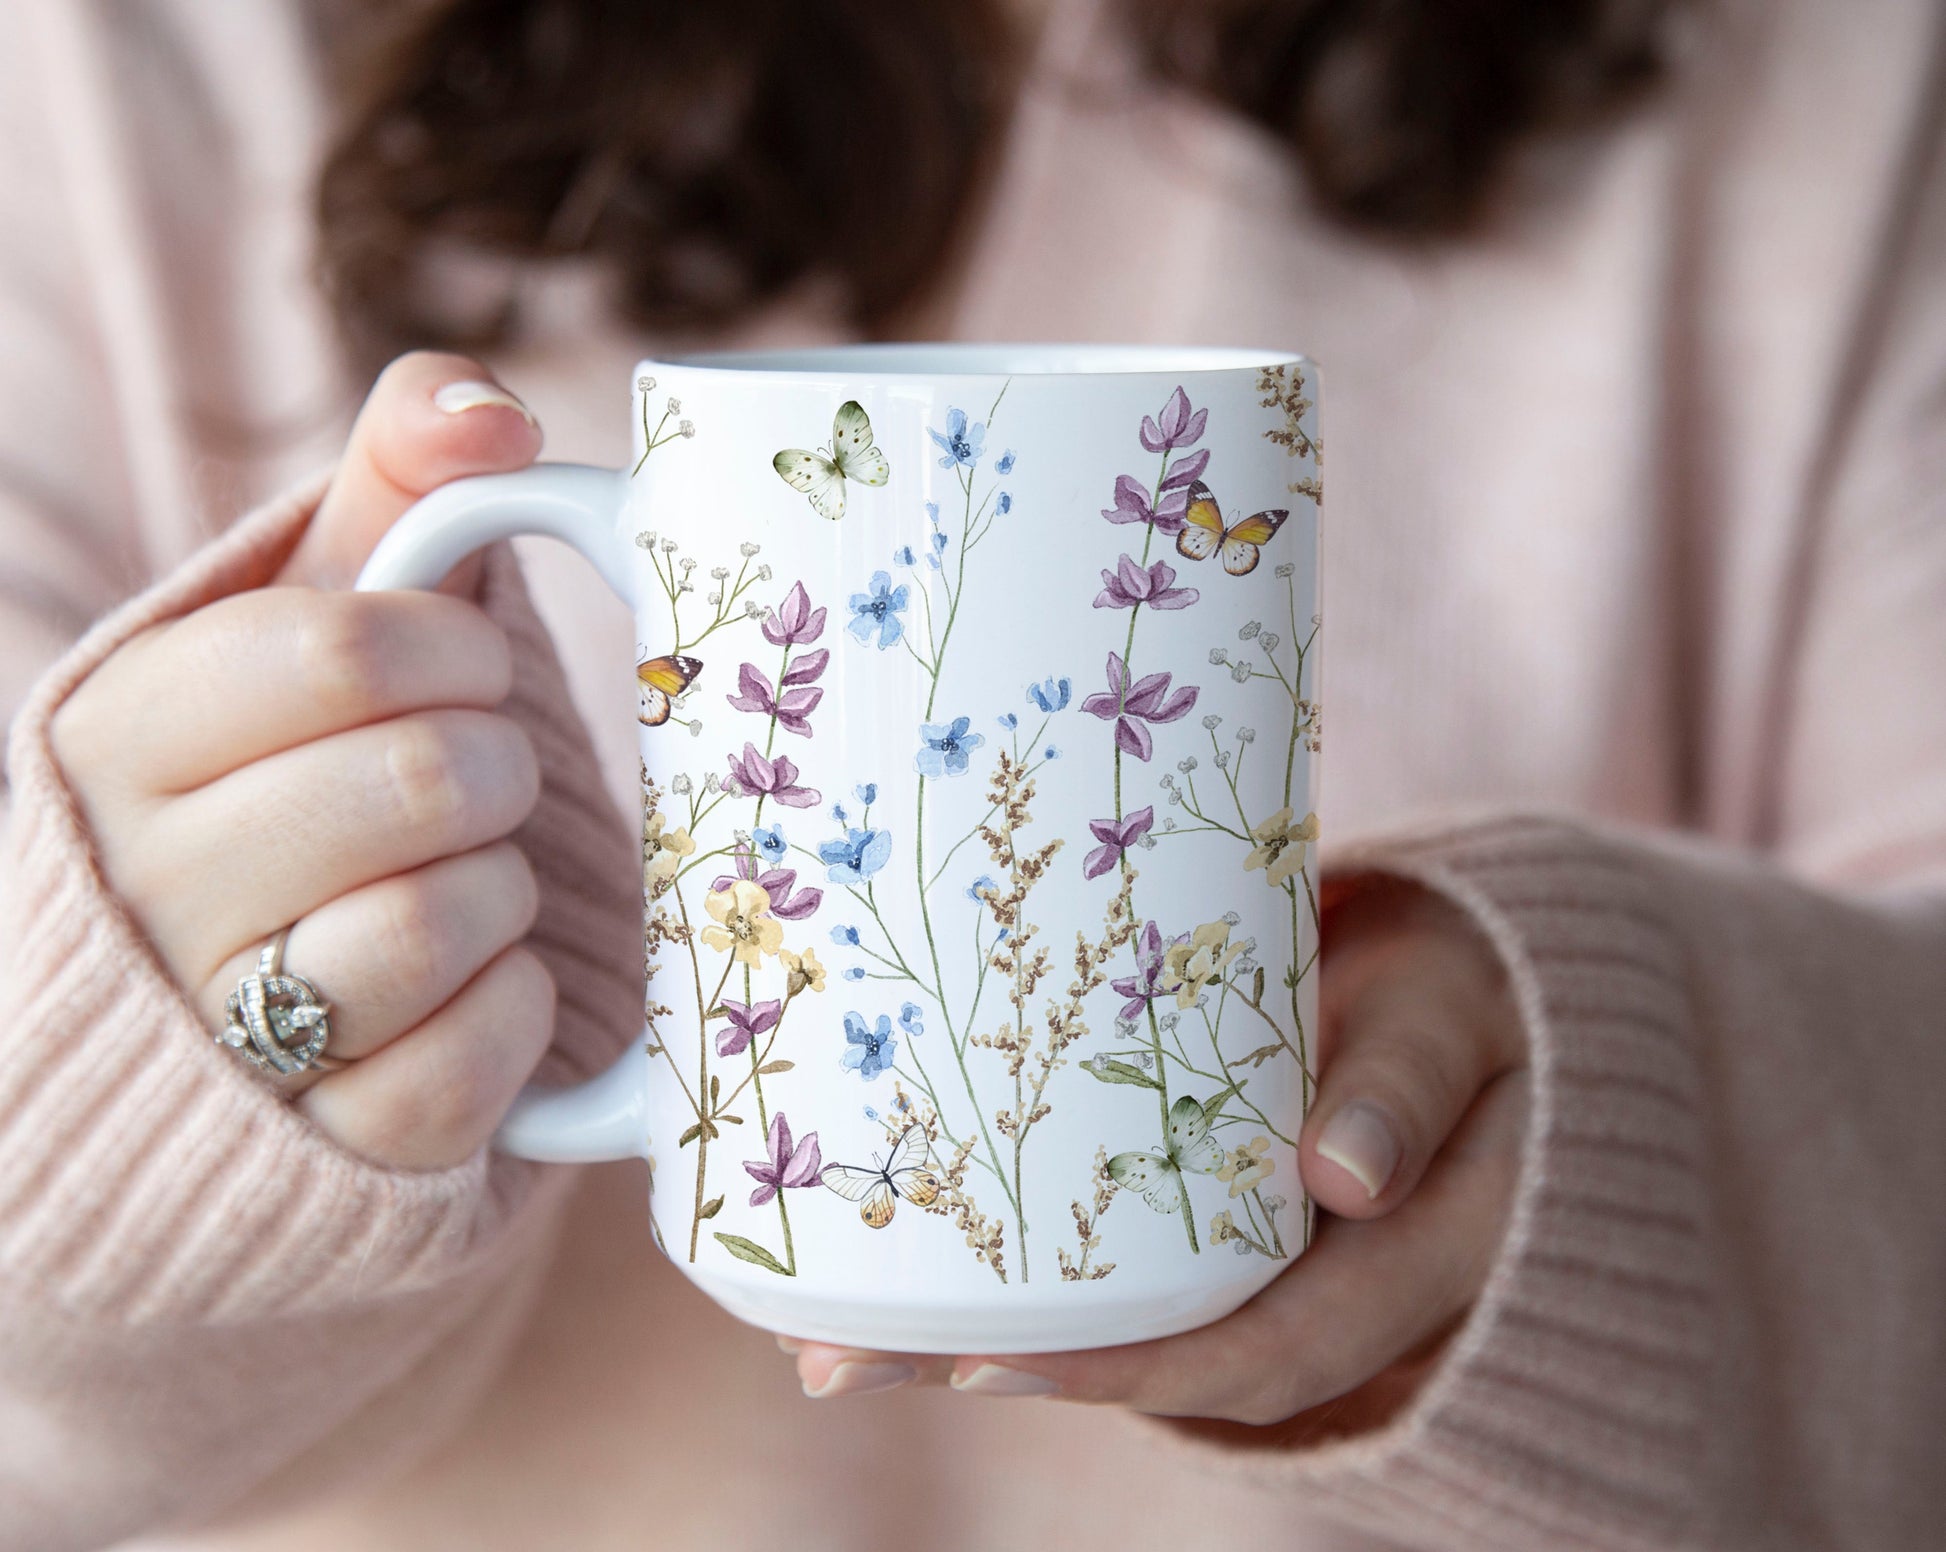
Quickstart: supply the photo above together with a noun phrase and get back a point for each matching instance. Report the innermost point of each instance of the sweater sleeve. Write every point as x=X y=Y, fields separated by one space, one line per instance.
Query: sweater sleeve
x=198 y=1290
x=1715 y=1318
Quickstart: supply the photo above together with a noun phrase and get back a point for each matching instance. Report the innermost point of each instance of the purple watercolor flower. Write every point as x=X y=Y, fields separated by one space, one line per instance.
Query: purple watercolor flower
x=1115 y=839
x=1130 y=584
x=751 y=774
x=1132 y=706
x=792 y=709
x=747 y=1021
x=1178 y=426
x=1185 y=472
x=788 y=1167
x=1141 y=988
x=796 y=623
x=1132 y=506
x=787 y=901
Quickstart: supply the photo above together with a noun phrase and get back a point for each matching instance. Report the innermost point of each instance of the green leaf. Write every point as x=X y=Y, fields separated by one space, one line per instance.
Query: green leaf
x=733 y=1120
x=710 y=1131
x=769 y=1068
x=1257 y=985
x=710 y=1209
x=715 y=1088
x=690 y=1136
x=1214 y=1103
x=1120 y=1072
x=756 y=1255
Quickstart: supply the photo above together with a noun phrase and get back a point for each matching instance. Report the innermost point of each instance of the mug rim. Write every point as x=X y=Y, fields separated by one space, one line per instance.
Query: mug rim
x=924 y=361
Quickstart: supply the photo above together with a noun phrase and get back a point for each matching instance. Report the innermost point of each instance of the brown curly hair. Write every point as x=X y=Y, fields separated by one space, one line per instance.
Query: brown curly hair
x=709 y=157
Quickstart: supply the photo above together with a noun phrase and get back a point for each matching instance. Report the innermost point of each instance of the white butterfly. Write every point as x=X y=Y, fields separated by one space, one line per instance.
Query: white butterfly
x=822 y=475
x=1159 y=1176
x=879 y=1186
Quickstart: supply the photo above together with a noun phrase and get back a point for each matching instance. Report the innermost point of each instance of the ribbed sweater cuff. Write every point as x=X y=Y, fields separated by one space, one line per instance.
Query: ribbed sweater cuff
x=145 y=1174
x=1568 y=1410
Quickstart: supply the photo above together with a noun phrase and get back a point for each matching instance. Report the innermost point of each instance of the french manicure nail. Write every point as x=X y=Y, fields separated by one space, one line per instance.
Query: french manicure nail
x=1361 y=1140
x=990 y=1379
x=458 y=398
x=790 y=1344
x=863 y=1379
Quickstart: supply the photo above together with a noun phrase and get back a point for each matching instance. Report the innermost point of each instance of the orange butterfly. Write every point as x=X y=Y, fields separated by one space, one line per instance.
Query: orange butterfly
x=658 y=681
x=1203 y=533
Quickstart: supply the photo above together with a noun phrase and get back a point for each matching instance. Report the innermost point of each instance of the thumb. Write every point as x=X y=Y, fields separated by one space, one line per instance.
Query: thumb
x=429 y=418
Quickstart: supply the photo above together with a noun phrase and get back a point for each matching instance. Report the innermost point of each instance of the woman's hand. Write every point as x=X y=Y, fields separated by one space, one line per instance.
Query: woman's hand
x=1411 y=1148
x=303 y=754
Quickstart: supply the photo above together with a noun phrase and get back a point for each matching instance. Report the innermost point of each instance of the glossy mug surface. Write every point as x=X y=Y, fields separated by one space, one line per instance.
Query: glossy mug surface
x=979 y=727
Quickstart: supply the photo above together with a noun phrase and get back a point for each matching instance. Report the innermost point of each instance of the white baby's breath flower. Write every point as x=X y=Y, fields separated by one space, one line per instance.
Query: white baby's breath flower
x=763 y=572
x=685 y=587
x=668 y=546
x=1218 y=656
x=686 y=428
x=675 y=405
x=646 y=539
x=1186 y=764
x=1249 y=629
x=696 y=727
x=1240 y=672
x=1231 y=917
x=1246 y=735
x=1146 y=841
x=752 y=610
x=747 y=549
x=712 y=782
x=1222 y=758
x=1212 y=722
x=688 y=563
x=721 y=573
x=645 y=385
x=1271 y=642
x=680 y=784
x=1169 y=1021
x=1168 y=824
x=1286 y=569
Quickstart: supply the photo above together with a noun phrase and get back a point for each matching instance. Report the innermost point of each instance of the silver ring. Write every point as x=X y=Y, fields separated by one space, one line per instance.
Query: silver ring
x=278 y=1022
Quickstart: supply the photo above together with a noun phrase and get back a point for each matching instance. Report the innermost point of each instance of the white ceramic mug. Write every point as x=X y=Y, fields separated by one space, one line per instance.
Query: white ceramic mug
x=979 y=732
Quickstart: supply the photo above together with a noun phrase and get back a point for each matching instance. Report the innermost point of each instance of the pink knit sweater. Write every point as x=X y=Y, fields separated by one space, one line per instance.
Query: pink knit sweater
x=1637 y=575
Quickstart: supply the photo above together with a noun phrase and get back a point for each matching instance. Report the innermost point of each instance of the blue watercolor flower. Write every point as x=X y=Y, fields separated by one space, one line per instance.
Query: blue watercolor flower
x=1004 y=464
x=845 y=937
x=1008 y=720
x=903 y=556
x=947 y=747
x=857 y=857
x=986 y=881
x=878 y=611
x=869 y=1049
x=838 y=813
x=933 y=556
x=770 y=843
x=866 y=792
x=1051 y=695
x=909 y=1019
x=1005 y=504
x=854 y=973
x=932 y=513
x=1051 y=752
x=961 y=444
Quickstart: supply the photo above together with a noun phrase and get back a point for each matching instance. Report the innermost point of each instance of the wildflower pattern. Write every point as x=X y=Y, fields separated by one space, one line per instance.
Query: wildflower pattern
x=960 y=999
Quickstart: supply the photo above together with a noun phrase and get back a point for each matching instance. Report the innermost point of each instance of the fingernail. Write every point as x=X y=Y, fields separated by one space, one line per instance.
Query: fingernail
x=990 y=1379
x=862 y=1379
x=458 y=398
x=1360 y=1139
x=790 y=1344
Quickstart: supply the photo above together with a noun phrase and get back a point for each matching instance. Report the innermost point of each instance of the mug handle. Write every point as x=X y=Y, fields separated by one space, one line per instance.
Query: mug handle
x=606 y=1117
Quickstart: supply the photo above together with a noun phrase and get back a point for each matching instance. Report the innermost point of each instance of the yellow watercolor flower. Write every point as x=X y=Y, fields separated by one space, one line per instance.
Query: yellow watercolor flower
x=1250 y=1165
x=1222 y=1228
x=746 y=927
x=662 y=852
x=1281 y=846
x=802 y=972
x=1188 y=967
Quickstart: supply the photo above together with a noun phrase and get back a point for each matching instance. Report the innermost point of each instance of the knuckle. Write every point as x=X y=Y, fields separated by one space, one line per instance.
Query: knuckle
x=347 y=658
x=412 y=940
x=427 y=773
